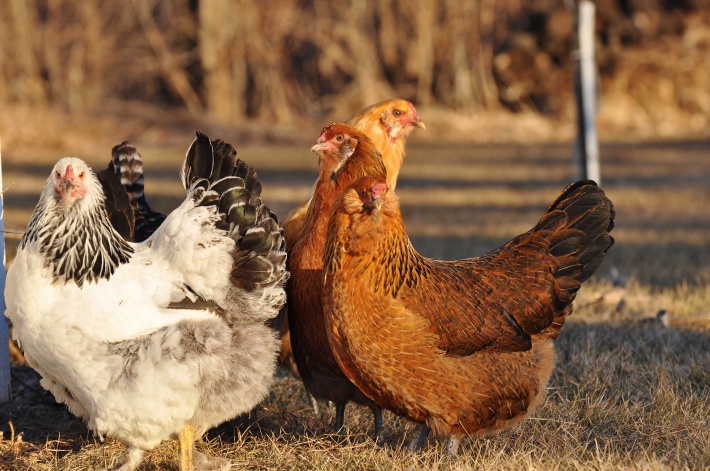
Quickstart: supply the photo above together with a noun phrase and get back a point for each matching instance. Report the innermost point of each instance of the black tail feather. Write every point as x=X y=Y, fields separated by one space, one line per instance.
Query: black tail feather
x=579 y=220
x=208 y=160
x=198 y=161
x=127 y=164
x=233 y=186
x=224 y=159
x=118 y=205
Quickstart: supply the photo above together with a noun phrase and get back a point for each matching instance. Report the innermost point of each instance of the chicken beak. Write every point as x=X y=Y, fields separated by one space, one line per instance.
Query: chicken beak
x=377 y=203
x=418 y=123
x=318 y=146
x=67 y=185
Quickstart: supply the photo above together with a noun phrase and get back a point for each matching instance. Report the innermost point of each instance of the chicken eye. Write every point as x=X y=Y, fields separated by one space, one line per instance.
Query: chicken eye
x=397 y=113
x=57 y=175
x=339 y=137
x=81 y=175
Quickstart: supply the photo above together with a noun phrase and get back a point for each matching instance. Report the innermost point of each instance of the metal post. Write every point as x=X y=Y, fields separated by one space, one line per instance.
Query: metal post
x=587 y=145
x=5 y=389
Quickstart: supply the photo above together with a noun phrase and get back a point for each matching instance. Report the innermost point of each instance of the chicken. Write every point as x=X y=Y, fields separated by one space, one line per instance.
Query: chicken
x=126 y=164
x=164 y=338
x=338 y=163
x=120 y=215
x=387 y=124
x=464 y=347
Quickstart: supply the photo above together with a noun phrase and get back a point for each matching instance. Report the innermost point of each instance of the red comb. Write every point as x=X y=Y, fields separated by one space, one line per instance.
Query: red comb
x=379 y=188
x=414 y=111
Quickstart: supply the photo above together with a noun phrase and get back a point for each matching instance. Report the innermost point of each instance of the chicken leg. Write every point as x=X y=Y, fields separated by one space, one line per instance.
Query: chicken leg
x=379 y=432
x=420 y=437
x=376 y=413
x=186 y=448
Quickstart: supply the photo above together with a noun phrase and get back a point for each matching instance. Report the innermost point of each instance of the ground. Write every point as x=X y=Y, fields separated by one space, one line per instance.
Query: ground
x=627 y=393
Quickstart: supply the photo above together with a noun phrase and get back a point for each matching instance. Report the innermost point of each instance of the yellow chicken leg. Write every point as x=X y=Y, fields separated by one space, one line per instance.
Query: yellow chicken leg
x=186 y=447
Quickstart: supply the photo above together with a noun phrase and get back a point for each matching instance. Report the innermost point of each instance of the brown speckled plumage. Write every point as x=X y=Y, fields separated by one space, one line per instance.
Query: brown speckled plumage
x=463 y=346
x=337 y=168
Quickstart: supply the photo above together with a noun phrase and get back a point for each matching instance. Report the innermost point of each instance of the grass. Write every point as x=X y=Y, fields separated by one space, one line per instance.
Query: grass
x=626 y=394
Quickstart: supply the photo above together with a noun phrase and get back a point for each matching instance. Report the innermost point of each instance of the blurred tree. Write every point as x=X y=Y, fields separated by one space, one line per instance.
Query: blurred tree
x=25 y=69
x=222 y=52
x=274 y=60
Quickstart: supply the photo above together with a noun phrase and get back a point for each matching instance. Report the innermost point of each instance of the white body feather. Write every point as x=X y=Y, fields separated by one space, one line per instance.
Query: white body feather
x=117 y=354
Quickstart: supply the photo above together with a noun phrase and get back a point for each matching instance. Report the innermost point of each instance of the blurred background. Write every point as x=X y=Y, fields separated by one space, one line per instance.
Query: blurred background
x=477 y=70
x=493 y=81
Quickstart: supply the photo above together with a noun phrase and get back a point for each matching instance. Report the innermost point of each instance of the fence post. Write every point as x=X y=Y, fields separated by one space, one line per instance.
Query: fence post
x=587 y=144
x=5 y=390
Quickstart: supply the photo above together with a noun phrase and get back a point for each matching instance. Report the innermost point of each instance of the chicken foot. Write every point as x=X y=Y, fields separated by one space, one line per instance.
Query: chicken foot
x=379 y=432
x=452 y=447
x=313 y=402
x=206 y=463
x=420 y=436
x=130 y=460
x=339 y=417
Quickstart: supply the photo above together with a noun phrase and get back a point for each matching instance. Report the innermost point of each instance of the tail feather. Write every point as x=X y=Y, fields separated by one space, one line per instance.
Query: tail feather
x=579 y=222
x=224 y=159
x=208 y=160
x=118 y=205
x=198 y=162
x=127 y=164
x=576 y=226
x=259 y=271
x=261 y=239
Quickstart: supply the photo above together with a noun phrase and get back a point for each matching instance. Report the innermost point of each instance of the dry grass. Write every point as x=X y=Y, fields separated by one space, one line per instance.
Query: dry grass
x=625 y=394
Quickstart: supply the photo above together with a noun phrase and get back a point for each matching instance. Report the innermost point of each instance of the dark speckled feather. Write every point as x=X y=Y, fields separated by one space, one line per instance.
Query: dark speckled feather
x=118 y=204
x=126 y=164
x=79 y=245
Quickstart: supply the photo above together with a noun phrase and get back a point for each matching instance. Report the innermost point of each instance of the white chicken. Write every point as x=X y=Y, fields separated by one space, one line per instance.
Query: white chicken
x=158 y=339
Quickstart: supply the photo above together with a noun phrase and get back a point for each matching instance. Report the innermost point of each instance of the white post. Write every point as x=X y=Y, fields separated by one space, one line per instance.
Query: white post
x=5 y=390
x=588 y=143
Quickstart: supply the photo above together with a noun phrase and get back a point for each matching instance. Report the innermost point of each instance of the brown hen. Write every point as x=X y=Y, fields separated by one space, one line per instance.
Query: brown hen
x=344 y=154
x=464 y=347
x=387 y=124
